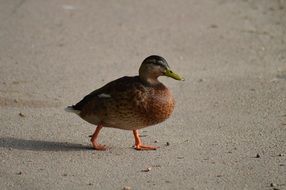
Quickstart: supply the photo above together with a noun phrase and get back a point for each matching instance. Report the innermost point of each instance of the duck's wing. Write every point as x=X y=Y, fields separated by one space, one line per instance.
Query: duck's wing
x=110 y=89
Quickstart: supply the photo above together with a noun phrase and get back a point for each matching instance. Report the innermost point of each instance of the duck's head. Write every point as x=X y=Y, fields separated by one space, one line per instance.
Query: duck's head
x=154 y=66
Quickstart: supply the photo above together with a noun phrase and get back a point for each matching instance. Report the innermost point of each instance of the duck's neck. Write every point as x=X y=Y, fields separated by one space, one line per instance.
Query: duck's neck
x=149 y=80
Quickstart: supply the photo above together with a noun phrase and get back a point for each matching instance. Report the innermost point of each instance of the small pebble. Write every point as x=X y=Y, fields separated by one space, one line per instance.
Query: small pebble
x=167 y=144
x=146 y=170
x=156 y=141
x=69 y=7
x=257 y=156
x=273 y=185
x=275 y=188
x=126 y=188
x=65 y=175
x=281 y=154
x=19 y=173
x=21 y=114
x=89 y=184
x=214 y=26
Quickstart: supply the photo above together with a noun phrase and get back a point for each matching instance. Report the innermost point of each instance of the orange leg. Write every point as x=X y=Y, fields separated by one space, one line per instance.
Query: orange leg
x=95 y=145
x=138 y=143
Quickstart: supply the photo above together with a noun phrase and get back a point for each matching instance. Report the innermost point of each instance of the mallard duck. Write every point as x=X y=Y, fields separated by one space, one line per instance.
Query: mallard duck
x=130 y=103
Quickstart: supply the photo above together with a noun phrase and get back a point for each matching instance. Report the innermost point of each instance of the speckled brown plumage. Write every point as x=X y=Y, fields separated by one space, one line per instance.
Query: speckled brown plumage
x=130 y=103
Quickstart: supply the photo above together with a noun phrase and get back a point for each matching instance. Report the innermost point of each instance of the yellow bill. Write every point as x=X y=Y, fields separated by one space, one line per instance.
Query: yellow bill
x=173 y=75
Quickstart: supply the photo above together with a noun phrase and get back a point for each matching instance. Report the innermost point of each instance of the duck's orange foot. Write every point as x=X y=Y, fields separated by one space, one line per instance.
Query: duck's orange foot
x=99 y=147
x=145 y=147
x=95 y=145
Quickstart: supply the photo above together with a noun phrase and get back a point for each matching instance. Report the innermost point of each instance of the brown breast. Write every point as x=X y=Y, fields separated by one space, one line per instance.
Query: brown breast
x=160 y=105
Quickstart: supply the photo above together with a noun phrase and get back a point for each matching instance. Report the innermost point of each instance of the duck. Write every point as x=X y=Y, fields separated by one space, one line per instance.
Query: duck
x=130 y=102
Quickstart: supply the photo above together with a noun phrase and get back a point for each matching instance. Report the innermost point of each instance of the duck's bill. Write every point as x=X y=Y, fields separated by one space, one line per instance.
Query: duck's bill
x=173 y=75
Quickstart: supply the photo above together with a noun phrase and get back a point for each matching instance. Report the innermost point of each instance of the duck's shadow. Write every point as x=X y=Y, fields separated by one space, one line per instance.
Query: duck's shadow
x=39 y=145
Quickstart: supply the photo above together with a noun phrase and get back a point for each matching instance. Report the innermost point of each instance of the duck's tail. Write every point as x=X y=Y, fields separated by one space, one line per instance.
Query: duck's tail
x=72 y=110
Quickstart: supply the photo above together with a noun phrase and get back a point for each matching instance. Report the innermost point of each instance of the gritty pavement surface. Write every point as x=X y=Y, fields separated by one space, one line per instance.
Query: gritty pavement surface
x=228 y=130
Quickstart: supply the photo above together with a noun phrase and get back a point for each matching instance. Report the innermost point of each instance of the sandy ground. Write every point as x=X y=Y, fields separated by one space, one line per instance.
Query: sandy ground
x=228 y=130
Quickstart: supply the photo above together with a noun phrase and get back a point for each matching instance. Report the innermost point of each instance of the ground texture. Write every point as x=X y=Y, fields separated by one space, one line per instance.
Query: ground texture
x=228 y=130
